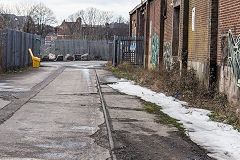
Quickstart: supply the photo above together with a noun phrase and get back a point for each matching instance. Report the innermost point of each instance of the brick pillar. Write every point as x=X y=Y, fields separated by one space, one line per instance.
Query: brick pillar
x=146 y=34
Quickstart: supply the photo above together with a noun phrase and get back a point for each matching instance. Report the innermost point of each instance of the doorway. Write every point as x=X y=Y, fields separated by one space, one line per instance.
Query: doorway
x=175 y=39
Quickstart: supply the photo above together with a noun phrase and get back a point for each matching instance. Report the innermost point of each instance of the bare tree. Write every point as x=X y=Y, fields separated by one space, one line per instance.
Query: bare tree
x=4 y=18
x=42 y=16
x=25 y=8
x=106 y=17
x=4 y=9
x=2 y=24
x=120 y=19
x=92 y=17
x=81 y=14
x=97 y=24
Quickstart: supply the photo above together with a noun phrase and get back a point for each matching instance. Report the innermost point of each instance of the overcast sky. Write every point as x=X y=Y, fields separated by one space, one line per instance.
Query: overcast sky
x=64 y=8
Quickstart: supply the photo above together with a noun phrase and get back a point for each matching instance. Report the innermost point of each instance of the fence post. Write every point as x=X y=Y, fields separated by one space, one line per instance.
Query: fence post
x=119 y=50
x=115 y=51
x=1 y=51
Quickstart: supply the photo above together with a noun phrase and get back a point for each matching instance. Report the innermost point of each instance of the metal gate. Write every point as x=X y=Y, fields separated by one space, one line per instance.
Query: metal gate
x=128 y=49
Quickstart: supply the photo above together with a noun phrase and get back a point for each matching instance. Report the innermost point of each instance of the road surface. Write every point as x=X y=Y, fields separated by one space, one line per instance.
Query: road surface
x=55 y=112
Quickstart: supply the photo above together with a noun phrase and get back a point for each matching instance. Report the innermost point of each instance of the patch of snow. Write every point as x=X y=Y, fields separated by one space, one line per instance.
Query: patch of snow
x=221 y=140
x=87 y=76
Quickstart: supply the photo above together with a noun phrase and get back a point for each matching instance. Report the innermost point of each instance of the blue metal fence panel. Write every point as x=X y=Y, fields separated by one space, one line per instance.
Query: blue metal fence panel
x=2 y=51
x=14 y=49
x=17 y=50
x=96 y=49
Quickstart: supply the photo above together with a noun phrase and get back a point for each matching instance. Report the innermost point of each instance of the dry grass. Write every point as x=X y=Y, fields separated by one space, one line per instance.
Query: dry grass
x=187 y=87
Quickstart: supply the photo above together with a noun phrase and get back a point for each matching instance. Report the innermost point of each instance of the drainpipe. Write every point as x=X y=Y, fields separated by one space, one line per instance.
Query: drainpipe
x=130 y=26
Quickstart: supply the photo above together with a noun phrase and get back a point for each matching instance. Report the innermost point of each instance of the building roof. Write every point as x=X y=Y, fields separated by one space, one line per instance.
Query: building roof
x=71 y=24
x=138 y=6
x=15 y=22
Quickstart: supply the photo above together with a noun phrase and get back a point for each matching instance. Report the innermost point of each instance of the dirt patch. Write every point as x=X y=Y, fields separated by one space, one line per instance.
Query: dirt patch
x=155 y=147
x=101 y=137
x=141 y=136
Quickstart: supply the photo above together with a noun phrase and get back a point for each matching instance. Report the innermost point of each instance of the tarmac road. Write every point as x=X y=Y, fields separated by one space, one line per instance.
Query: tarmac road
x=55 y=112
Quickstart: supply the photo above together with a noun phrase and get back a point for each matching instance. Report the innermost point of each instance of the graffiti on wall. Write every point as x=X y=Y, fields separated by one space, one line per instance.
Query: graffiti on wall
x=234 y=56
x=155 y=50
x=167 y=55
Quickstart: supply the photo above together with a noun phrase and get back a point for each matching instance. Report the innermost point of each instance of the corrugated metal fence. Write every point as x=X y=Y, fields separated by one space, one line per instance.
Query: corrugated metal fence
x=14 y=49
x=101 y=49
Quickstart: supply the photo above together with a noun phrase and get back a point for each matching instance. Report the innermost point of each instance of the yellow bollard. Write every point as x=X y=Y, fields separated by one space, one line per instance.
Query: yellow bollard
x=36 y=60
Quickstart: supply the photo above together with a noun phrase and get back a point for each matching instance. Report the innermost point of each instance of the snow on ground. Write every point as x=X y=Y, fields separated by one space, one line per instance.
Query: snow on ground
x=221 y=140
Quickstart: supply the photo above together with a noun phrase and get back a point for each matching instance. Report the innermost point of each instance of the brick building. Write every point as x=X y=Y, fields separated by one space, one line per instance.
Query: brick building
x=192 y=34
x=202 y=39
x=229 y=62
x=67 y=29
x=161 y=24
x=145 y=21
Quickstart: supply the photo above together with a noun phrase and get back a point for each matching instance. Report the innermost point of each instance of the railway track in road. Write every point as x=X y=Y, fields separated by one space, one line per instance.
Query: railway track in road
x=110 y=138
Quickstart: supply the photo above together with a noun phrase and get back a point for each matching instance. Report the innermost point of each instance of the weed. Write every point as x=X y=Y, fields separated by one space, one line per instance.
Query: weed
x=162 y=117
x=213 y=116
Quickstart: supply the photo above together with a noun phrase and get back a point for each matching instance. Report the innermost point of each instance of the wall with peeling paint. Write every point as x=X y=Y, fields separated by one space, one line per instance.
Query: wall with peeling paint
x=228 y=51
x=229 y=76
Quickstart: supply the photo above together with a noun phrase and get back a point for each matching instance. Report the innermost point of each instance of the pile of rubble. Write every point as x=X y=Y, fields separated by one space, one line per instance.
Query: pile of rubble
x=68 y=57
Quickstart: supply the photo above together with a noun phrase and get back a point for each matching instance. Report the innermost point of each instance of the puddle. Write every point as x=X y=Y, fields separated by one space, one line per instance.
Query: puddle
x=19 y=159
x=56 y=156
x=64 y=145
x=9 y=80
x=87 y=66
x=5 y=86
x=86 y=128
x=70 y=144
x=8 y=87
x=54 y=146
x=112 y=79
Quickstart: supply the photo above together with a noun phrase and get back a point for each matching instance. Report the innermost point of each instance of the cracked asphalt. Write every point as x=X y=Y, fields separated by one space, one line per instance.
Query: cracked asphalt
x=55 y=112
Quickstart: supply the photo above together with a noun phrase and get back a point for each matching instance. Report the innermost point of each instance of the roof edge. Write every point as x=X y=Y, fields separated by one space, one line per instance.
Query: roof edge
x=138 y=6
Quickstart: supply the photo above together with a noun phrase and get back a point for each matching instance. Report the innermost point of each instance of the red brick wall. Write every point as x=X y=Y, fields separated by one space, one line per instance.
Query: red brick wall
x=155 y=10
x=64 y=29
x=229 y=18
x=199 y=39
x=154 y=26
x=133 y=24
x=168 y=23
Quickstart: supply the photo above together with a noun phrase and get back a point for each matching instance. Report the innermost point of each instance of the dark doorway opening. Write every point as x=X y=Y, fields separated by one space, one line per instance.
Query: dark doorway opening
x=185 y=35
x=175 y=40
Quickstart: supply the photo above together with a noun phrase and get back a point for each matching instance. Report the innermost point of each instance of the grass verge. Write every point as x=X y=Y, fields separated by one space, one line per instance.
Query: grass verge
x=186 y=87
